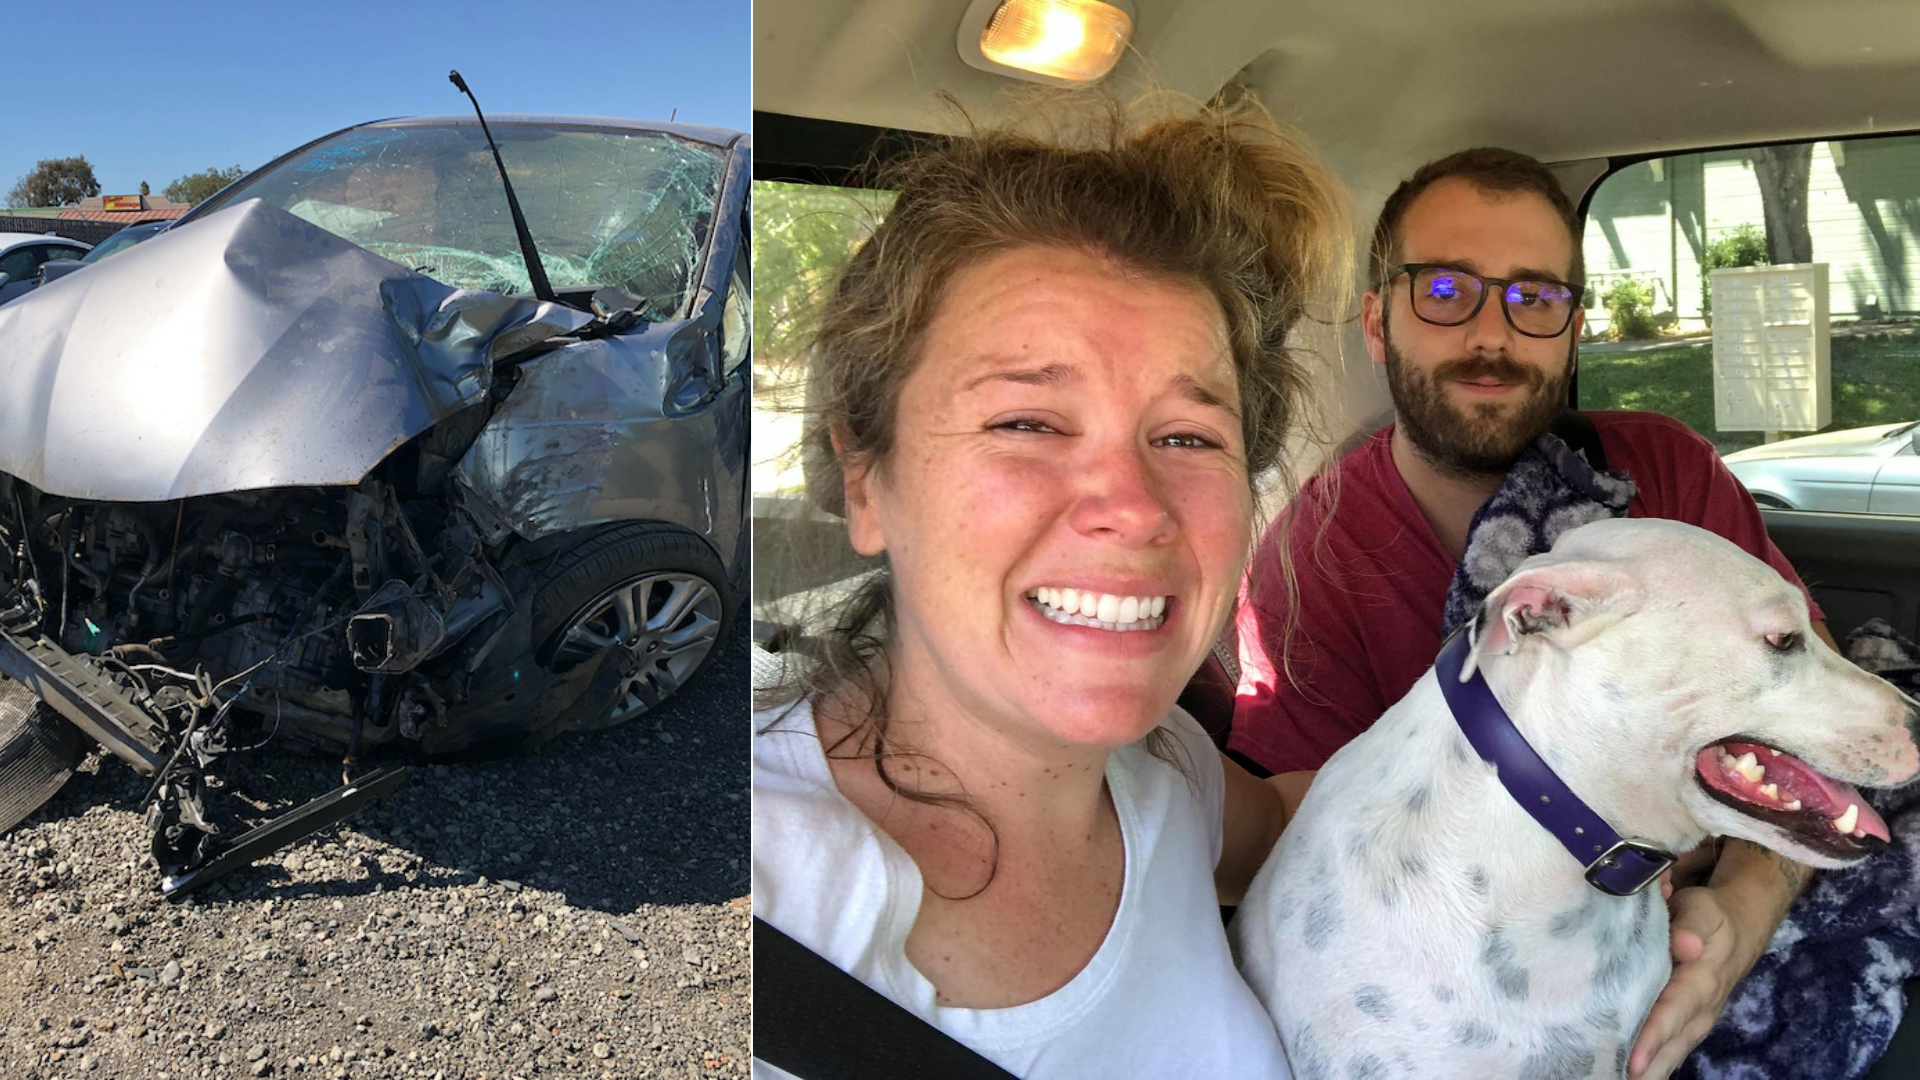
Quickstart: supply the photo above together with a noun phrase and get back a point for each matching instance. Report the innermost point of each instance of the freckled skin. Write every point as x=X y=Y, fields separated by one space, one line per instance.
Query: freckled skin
x=1067 y=423
x=996 y=487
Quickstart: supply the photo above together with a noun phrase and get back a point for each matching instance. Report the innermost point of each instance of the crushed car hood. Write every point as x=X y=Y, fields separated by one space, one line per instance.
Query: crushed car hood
x=249 y=350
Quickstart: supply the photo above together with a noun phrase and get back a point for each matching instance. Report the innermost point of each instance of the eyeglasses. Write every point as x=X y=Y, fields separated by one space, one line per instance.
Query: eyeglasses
x=1449 y=296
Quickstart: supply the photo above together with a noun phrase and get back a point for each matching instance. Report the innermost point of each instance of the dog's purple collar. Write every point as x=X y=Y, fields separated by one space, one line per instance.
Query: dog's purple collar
x=1614 y=865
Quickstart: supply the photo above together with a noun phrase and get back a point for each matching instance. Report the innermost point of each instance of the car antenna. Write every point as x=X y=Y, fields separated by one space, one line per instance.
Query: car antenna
x=536 y=274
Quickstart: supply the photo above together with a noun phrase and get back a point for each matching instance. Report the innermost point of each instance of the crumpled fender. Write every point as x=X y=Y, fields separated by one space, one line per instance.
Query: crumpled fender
x=248 y=350
x=630 y=428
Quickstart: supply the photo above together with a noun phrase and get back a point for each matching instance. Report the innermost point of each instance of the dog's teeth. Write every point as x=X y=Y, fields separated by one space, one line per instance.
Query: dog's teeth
x=1771 y=791
x=1726 y=761
x=1794 y=805
x=1846 y=822
x=1772 y=751
x=1753 y=772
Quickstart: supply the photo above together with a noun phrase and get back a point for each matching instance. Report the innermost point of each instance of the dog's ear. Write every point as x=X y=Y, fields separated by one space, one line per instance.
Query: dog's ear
x=1565 y=603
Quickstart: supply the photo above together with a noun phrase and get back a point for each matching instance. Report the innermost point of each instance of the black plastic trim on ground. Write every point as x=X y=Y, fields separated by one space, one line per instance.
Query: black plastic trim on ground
x=296 y=824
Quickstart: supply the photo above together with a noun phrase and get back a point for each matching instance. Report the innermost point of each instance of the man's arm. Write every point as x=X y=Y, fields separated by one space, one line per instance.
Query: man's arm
x=1719 y=931
x=1256 y=813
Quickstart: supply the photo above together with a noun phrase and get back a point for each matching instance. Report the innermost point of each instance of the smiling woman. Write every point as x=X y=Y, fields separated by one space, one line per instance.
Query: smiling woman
x=1038 y=395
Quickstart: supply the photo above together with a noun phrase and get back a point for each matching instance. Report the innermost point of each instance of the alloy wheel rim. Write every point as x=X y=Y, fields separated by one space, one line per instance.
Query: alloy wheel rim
x=666 y=623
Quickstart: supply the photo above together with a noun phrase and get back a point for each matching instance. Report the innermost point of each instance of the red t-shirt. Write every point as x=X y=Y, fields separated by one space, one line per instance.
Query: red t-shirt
x=1371 y=594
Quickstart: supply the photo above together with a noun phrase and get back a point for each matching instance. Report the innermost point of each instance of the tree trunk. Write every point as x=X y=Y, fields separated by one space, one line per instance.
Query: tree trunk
x=1782 y=174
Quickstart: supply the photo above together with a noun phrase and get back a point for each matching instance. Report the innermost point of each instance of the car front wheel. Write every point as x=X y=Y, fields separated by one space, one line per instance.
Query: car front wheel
x=648 y=601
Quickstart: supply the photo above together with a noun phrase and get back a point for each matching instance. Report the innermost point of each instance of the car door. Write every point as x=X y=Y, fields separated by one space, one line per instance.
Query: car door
x=1896 y=488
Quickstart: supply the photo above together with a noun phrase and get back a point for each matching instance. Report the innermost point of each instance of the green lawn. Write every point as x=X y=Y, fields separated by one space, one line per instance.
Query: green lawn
x=1875 y=381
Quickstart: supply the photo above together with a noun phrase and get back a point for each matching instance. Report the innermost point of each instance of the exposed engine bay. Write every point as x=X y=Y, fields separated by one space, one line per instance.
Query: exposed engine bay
x=327 y=615
x=337 y=619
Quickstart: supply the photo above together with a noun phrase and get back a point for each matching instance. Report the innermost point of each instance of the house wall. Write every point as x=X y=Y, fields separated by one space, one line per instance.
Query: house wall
x=1651 y=221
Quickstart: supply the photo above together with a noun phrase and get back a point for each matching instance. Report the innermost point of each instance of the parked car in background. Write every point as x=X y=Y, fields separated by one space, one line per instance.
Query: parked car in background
x=23 y=254
x=105 y=249
x=1864 y=470
x=317 y=466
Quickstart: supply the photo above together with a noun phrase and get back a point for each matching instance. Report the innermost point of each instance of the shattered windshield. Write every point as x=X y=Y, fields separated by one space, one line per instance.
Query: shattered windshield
x=627 y=209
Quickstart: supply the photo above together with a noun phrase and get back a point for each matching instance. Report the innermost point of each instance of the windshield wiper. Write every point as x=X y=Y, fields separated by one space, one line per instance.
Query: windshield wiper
x=536 y=274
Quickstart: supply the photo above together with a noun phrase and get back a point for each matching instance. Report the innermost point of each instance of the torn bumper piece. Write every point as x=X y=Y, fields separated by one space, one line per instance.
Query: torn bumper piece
x=104 y=711
x=93 y=704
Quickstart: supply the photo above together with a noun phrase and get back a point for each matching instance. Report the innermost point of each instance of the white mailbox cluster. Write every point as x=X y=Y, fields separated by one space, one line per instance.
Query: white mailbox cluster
x=1772 y=351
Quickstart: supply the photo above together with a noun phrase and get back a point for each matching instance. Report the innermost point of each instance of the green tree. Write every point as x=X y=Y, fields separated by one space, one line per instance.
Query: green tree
x=55 y=182
x=145 y=190
x=196 y=188
x=802 y=235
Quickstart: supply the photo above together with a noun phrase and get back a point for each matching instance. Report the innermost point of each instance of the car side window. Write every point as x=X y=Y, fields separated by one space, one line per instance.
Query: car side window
x=1767 y=298
x=56 y=252
x=19 y=264
x=802 y=235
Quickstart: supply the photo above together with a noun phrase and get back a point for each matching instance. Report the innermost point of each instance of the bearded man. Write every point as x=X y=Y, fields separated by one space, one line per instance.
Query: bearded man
x=1474 y=312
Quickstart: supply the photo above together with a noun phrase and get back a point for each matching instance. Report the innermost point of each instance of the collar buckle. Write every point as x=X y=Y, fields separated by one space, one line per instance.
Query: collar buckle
x=1628 y=867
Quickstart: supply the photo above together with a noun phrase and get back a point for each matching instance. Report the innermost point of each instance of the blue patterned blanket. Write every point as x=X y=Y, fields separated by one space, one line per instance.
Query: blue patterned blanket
x=1825 y=998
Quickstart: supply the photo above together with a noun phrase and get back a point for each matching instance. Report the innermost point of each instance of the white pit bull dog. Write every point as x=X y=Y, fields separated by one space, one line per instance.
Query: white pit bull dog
x=1416 y=920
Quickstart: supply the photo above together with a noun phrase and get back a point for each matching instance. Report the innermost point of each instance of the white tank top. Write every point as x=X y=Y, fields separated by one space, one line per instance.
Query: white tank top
x=1161 y=997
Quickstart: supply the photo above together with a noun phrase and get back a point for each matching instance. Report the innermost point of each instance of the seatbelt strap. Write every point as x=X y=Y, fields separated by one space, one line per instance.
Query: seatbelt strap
x=1574 y=428
x=820 y=1023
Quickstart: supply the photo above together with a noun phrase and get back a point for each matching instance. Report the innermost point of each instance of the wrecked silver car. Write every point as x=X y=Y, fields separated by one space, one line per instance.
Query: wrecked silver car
x=339 y=460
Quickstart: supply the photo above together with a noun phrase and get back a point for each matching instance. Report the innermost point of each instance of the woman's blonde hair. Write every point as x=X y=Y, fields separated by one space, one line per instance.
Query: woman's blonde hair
x=1224 y=197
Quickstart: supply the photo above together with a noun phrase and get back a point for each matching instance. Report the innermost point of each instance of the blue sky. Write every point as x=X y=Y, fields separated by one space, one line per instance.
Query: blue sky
x=148 y=95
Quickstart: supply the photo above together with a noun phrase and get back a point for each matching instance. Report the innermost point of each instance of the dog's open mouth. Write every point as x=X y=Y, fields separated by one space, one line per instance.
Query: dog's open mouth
x=1780 y=789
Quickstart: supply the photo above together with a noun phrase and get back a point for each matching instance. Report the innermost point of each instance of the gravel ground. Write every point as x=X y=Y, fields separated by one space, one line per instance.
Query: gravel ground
x=579 y=912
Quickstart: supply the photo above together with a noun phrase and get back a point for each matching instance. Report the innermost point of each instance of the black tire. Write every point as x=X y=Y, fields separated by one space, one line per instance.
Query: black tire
x=653 y=559
x=38 y=751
